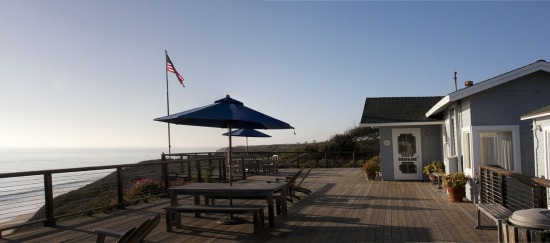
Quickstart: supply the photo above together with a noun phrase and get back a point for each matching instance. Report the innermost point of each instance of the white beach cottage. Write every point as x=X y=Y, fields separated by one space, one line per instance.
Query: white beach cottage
x=408 y=139
x=481 y=123
x=541 y=140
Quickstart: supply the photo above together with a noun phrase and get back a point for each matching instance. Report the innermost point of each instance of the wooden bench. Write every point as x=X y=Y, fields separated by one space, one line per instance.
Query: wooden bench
x=173 y=216
x=496 y=212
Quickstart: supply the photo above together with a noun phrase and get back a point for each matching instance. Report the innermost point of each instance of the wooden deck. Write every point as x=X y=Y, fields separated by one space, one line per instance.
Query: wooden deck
x=344 y=207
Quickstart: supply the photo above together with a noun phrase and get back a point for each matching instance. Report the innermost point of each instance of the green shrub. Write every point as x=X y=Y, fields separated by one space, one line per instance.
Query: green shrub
x=208 y=174
x=433 y=167
x=456 y=179
x=372 y=165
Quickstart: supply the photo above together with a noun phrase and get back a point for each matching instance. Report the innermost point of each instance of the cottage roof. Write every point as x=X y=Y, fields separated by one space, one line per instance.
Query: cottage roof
x=540 y=65
x=392 y=111
x=541 y=112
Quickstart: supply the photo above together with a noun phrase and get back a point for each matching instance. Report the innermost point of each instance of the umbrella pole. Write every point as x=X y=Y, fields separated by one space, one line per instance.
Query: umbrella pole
x=230 y=170
x=246 y=146
x=229 y=157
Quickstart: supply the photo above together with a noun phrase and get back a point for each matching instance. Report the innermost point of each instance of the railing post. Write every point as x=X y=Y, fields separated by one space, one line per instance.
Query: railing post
x=543 y=197
x=297 y=160
x=120 y=188
x=480 y=186
x=220 y=169
x=539 y=197
x=502 y=188
x=48 y=200
x=189 y=171
x=199 y=174
x=316 y=156
x=166 y=174
x=242 y=168
x=224 y=163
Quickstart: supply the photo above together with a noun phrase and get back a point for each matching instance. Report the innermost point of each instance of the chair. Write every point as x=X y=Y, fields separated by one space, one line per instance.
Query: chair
x=133 y=235
x=289 y=189
x=298 y=188
x=291 y=185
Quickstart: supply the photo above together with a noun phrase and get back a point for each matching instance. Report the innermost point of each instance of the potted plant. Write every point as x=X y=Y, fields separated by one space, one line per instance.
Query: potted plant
x=456 y=185
x=371 y=167
x=432 y=167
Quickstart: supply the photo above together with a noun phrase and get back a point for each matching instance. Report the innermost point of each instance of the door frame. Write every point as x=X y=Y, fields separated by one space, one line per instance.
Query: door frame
x=418 y=135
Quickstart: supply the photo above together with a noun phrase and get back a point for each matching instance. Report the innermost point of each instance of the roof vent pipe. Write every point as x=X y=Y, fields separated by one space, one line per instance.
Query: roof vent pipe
x=468 y=83
x=455 y=81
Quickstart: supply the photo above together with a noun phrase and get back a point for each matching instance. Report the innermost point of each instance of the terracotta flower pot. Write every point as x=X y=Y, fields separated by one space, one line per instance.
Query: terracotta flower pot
x=456 y=193
x=431 y=176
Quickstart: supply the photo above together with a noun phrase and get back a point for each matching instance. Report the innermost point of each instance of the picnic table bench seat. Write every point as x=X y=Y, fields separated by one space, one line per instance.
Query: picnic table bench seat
x=211 y=200
x=173 y=216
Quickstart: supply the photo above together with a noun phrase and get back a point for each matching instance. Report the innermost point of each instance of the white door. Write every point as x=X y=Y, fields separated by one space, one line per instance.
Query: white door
x=407 y=155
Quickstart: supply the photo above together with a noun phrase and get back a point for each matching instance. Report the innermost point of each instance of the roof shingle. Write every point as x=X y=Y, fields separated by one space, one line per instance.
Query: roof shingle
x=398 y=109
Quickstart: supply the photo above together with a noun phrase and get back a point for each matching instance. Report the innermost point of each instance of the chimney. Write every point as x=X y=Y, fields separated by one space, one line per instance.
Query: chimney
x=468 y=83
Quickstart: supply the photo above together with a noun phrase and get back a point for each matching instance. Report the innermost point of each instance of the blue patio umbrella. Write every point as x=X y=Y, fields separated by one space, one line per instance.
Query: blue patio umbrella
x=225 y=113
x=247 y=133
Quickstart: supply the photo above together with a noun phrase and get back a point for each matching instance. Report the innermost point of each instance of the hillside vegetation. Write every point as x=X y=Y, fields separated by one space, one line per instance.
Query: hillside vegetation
x=357 y=139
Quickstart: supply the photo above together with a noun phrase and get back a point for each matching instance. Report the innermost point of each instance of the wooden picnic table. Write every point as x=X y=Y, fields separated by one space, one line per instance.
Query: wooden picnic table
x=251 y=189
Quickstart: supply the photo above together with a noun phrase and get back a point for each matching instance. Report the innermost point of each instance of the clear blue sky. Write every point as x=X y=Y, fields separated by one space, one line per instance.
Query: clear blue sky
x=92 y=73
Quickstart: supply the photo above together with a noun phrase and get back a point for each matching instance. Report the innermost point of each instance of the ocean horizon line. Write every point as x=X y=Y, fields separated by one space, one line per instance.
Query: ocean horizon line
x=107 y=148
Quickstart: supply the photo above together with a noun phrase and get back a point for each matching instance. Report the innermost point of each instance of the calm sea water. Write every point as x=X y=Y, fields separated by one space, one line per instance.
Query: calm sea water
x=22 y=196
x=19 y=159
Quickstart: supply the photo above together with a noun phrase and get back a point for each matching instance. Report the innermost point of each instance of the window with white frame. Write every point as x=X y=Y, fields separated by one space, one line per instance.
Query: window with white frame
x=497 y=148
x=547 y=151
x=452 y=142
x=466 y=150
x=497 y=145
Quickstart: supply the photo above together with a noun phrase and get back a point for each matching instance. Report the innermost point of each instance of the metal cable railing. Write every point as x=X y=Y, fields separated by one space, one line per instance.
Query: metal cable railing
x=46 y=196
x=512 y=190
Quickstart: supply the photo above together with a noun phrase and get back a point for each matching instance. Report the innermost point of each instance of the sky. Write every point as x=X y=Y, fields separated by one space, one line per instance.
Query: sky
x=93 y=73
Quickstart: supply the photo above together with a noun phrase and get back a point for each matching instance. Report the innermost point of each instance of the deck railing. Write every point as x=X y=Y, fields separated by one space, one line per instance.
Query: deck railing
x=298 y=159
x=48 y=195
x=45 y=196
x=512 y=190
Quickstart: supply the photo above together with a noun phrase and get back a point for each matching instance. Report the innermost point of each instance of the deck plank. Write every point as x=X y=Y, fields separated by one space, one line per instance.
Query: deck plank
x=344 y=207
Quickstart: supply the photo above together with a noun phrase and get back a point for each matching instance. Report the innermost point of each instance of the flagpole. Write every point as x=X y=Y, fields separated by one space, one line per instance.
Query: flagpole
x=167 y=101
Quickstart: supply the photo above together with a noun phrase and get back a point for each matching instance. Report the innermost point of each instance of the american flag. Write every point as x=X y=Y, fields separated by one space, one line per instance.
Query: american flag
x=170 y=68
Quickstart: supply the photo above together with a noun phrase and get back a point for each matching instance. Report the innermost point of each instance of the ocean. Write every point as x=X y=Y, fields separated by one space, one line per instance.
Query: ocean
x=22 y=196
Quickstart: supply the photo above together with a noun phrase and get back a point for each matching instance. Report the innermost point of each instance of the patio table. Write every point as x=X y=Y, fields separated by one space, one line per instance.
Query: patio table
x=252 y=189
